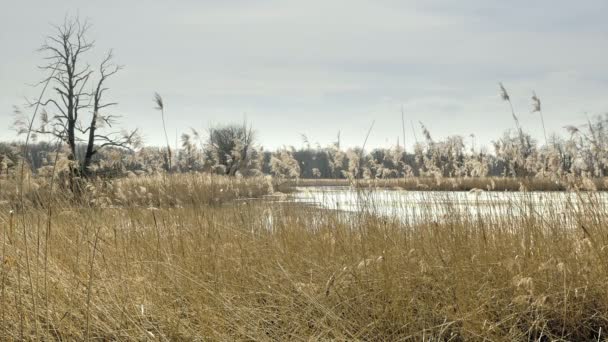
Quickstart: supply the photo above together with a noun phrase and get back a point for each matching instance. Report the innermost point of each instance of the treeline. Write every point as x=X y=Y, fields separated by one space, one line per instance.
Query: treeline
x=85 y=142
x=233 y=150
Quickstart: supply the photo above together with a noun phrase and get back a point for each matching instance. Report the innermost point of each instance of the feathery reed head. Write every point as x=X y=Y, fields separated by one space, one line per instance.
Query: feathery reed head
x=571 y=129
x=503 y=92
x=159 y=101
x=535 y=103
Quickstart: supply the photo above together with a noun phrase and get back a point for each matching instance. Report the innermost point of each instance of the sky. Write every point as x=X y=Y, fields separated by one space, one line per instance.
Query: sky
x=319 y=67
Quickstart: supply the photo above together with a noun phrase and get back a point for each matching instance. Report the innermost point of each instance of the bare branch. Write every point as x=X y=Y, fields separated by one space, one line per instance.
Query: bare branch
x=46 y=103
x=107 y=105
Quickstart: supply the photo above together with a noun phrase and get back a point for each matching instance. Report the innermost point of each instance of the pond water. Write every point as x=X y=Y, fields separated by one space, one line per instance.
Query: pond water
x=439 y=205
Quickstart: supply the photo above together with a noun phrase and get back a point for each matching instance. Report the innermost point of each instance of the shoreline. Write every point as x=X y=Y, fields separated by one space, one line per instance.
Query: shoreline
x=491 y=184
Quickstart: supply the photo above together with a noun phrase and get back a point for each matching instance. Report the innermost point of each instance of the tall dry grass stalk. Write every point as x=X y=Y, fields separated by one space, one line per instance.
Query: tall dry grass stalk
x=536 y=108
x=505 y=97
x=403 y=127
x=160 y=105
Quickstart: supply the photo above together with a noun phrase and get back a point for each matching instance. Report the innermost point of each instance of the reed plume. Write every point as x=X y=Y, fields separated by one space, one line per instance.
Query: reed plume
x=536 y=108
x=161 y=106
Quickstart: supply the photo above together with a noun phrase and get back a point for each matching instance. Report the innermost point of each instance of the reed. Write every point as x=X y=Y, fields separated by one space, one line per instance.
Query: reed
x=160 y=105
x=195 y=268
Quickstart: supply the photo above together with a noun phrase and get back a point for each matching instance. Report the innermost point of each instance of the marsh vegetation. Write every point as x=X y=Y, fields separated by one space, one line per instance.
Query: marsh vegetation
x=103 y=238
x=187 y=257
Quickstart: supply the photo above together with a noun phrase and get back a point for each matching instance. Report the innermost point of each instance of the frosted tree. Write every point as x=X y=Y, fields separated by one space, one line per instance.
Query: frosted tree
x=283 y=164
x=231 y=149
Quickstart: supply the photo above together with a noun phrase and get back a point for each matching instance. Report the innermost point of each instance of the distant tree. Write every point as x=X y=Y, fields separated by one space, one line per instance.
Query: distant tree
x=190 y=158
x=231 y=149
x=313 y=163
x=337 y=159
x=77 y=90
x=284 y=165
x=517 y=153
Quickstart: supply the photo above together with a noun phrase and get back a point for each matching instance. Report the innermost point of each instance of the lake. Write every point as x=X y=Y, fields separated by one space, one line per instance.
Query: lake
x=416 y=206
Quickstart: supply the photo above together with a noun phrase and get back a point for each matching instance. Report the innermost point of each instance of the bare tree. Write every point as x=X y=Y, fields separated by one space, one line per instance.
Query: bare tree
x=232 y=149
x=76 y=94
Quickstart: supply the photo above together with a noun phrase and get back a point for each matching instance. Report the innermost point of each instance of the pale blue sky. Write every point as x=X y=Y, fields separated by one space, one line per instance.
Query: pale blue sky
x=319 y=66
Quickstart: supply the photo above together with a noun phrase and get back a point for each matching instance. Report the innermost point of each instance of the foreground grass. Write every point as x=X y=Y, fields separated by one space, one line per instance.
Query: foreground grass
x=263 y=270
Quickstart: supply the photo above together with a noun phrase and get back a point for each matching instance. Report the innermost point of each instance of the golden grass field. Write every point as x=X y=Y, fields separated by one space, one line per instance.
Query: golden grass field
x=186 y=258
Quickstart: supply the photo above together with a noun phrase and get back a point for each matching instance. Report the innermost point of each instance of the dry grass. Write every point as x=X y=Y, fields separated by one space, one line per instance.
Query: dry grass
x=159 y=190
x=264 y=270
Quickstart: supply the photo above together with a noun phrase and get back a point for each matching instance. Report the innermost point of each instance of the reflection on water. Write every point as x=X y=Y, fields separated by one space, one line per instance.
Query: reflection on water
x=413 y=206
